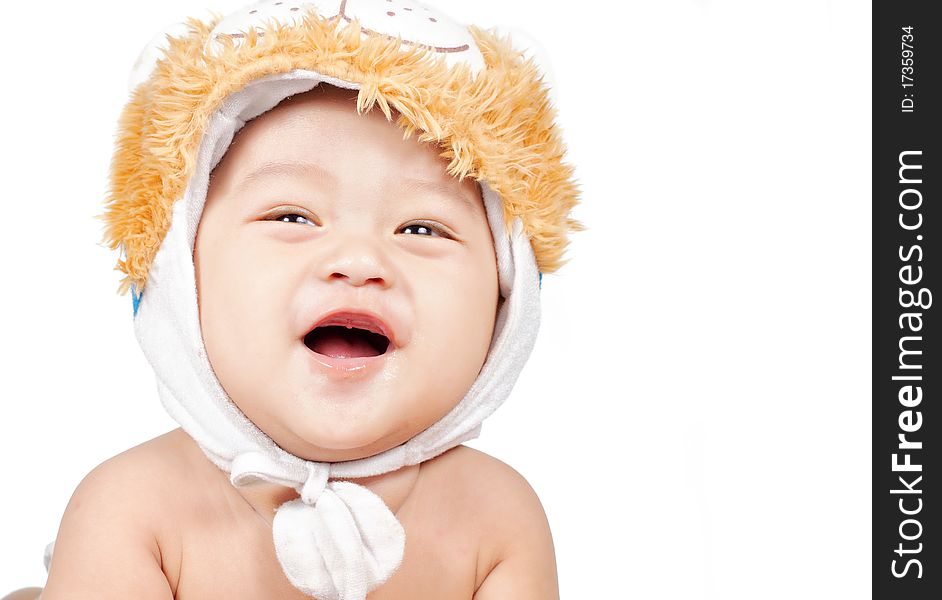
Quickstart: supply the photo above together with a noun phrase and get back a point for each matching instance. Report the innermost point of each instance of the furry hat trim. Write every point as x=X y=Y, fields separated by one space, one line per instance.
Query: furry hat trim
x=494 y=125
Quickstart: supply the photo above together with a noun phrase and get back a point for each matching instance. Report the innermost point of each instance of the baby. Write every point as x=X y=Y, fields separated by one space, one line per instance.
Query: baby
x=331 y=308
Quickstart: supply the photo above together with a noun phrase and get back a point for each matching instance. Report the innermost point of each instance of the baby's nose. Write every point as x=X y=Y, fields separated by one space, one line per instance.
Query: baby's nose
x=357 y=278
x=358 y=262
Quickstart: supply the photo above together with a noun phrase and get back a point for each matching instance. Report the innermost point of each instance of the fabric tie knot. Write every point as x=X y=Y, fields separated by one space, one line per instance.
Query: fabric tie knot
x=339 y=541
x=315 y=484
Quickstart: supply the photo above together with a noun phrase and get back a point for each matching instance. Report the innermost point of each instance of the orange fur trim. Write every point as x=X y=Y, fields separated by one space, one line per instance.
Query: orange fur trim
x=496 y=126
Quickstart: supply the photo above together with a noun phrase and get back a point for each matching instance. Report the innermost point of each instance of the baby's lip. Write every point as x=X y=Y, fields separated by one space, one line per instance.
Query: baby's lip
x=361 y=318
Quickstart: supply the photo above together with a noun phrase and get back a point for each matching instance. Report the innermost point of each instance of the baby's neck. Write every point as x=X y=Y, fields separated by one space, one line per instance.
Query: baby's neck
x=395 y=488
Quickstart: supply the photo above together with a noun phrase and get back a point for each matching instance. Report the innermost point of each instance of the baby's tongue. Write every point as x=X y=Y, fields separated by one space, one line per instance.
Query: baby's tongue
x=342 y=346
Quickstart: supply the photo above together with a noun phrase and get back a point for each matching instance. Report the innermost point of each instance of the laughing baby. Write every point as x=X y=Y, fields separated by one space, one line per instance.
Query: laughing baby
x=333 y=220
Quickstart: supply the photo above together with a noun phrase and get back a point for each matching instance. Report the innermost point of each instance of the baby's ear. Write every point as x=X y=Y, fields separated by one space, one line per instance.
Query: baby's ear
x=531 y=48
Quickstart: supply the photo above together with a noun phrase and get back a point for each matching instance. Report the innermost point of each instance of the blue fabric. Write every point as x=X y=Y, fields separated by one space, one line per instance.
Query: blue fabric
x=135 y=298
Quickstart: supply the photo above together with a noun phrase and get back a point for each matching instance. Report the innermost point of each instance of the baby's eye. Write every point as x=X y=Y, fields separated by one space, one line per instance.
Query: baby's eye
x=292 y=218
x=425 y=229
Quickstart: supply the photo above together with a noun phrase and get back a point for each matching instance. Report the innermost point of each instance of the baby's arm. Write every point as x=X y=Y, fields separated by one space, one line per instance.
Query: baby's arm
x=524 y=562
x=106 y=547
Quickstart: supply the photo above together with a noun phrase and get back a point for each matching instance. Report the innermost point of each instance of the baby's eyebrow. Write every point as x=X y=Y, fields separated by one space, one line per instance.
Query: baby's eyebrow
x=307 y=168
x=440 y=189
x=288 y=168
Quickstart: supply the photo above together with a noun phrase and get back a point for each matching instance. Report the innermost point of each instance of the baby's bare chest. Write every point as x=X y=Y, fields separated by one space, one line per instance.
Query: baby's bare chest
x=232 y=556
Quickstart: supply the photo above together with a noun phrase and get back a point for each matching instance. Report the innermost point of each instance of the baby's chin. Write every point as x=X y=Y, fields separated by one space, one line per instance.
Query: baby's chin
x=331 y=426
x=339 y=439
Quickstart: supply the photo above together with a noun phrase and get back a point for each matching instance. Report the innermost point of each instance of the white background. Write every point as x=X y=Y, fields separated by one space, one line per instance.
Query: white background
x=696 y=415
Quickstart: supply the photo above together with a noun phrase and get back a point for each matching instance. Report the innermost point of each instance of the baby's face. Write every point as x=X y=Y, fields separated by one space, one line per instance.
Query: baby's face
x=361 y=220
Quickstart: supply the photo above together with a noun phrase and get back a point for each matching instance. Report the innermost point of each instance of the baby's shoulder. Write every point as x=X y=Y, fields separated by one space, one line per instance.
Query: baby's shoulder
x=475 y=474
x=493 y=496
x=146 y=484
x=111 y=526
x=148 y=473
x=140 y=476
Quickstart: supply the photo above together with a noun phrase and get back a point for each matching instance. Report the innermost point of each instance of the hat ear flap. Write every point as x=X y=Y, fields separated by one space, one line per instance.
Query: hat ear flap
x=531 y=48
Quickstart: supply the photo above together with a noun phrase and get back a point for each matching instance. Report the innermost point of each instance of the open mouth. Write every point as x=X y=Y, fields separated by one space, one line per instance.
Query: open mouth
x=339 y=341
